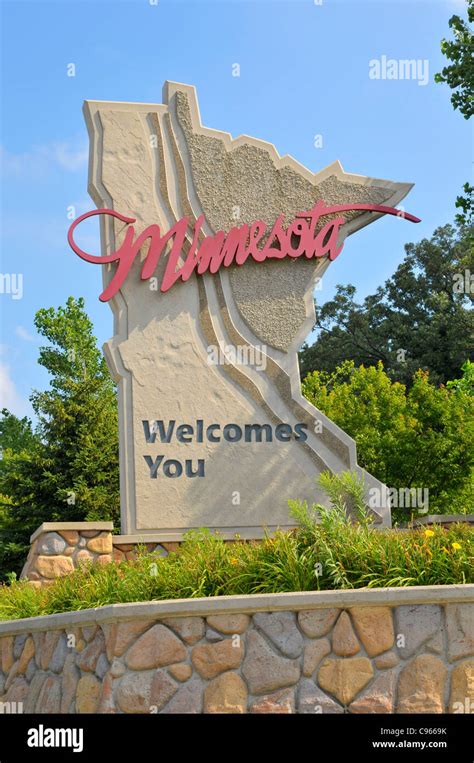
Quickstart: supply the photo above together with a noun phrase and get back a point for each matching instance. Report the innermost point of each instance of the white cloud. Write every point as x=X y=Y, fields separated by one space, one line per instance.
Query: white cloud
x=9 y=395
x=24 y=334
x=66 y=155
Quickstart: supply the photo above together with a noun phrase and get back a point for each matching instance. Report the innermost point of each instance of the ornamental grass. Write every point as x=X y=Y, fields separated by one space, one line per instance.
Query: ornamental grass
x=325 y=551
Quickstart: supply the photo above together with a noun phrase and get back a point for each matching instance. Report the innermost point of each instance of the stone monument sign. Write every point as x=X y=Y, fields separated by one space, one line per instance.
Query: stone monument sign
x=211 y=247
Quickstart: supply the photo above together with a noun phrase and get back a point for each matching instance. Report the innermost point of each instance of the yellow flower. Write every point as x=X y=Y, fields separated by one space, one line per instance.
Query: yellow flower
x=456 y=546
x=234 y=561
x=429 y=533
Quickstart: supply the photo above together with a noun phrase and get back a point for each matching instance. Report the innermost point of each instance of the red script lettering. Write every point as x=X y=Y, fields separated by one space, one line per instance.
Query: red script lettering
x=223 y=249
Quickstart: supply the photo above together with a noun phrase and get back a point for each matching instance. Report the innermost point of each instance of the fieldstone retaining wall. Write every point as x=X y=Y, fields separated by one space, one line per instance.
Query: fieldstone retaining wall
x=380 y=651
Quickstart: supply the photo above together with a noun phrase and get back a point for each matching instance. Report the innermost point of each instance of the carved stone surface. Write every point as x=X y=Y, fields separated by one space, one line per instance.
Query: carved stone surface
x=156 y=163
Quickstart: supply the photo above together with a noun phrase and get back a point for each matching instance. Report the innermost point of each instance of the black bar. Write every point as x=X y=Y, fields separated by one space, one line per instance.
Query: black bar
x=158 y=737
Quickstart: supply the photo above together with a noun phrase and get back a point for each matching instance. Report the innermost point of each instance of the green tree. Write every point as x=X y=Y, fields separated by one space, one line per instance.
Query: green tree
x=459 y=74
x=70 y=471
x=466 y=204
x=16 y=437
x=417 y=438
x=466 y=382
x=421 y=318
x=15 y=434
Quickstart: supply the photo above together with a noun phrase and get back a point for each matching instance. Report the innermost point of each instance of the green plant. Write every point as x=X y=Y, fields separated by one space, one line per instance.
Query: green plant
x=459 y=74
x=356 y=555
x=419 y=318
x=466 y=382
x=419 y=437
x=325 y=551
x=67 y=469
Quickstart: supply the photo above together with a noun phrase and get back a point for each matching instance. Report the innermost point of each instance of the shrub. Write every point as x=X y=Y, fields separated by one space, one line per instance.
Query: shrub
x=325 y=551
x=423 y=437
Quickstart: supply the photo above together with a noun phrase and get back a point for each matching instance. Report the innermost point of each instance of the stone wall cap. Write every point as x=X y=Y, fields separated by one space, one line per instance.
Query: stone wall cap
x=249 y=604
x=137 y=540
x=443 y=519
x=224 y=533
x=48 y=527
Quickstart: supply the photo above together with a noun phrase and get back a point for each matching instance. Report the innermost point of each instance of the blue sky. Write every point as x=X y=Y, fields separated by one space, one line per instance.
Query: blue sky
x=304 y=71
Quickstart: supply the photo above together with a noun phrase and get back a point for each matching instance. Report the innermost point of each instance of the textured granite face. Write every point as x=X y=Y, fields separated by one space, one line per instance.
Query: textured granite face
x=245 y=180
x=157 y=163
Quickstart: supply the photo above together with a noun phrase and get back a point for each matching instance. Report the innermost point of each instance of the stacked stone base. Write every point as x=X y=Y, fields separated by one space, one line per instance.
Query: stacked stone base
x=57 y=548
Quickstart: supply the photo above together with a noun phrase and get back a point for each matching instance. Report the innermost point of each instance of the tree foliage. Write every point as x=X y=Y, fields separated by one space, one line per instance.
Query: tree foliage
x=15 y=434
x=466 y=205
x=459 y=74
x=422 y=437
x=67 y=471
x=421 y=318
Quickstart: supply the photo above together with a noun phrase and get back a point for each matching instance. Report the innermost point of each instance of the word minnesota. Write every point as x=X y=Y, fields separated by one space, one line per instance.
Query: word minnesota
x=214 y=433
x=306 y=236
x=46 y=737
